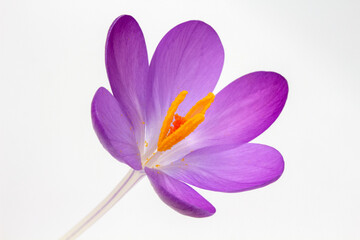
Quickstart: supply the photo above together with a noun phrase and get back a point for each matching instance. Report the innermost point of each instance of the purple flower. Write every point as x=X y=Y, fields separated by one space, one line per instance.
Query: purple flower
x=163 y=121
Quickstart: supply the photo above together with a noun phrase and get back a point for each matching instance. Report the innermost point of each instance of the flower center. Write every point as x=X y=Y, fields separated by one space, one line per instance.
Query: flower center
x=182 y=126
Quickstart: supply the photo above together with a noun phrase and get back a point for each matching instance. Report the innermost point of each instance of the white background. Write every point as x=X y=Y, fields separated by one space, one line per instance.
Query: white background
x=53 y=170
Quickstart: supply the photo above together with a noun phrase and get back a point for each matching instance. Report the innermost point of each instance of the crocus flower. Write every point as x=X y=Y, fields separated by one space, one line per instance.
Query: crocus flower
x=163 y=120
x=206 y=143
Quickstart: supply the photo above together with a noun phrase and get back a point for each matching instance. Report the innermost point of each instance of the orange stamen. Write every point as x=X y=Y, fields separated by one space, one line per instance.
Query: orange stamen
x=182 y=126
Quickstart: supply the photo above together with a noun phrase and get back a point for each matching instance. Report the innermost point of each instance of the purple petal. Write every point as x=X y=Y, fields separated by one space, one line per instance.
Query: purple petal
x=234 y=170
x=189 y=57
x=243 y=110
x=127 y=67
x=113 y=129
x=178 y=195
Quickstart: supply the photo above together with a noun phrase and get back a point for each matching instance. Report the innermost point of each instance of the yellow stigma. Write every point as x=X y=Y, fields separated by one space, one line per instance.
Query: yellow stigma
x=182 y=126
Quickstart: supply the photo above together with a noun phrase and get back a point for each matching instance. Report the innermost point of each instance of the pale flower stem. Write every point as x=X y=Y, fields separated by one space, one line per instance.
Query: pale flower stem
x=119 y=191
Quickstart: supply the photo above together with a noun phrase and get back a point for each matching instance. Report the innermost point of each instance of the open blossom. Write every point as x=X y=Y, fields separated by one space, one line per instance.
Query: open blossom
x=163 y=120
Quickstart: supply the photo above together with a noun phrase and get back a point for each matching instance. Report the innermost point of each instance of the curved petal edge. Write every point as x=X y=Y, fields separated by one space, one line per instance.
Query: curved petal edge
x=178 y=195
x=127 y=67
x=113 y=129
x=243 y=110
x=242 y=168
